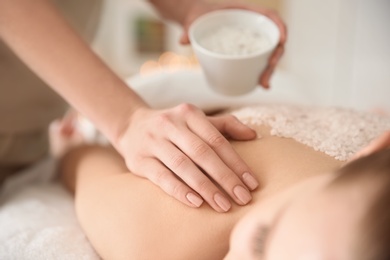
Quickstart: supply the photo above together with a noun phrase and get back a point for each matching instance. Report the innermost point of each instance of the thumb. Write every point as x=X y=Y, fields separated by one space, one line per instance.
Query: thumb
x=67 y=123
x=230 y=126
x=184 y=39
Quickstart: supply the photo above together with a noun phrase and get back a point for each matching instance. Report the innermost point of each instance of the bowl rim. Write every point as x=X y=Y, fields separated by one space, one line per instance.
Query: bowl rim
x=200 y=19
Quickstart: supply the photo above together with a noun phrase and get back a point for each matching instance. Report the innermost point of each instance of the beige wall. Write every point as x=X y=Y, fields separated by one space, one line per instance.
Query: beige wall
x=341 y=51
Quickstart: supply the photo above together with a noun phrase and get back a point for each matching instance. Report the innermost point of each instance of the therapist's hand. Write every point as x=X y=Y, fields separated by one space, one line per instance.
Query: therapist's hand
x=186 y=154
x=199 y=8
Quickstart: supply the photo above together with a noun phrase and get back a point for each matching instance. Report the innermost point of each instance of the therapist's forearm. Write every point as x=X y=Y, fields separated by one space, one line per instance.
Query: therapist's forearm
x=176 y=10
x=39 y=35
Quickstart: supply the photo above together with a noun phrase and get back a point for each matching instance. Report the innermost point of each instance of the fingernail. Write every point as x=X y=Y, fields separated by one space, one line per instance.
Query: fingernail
x=222 y=202
x=194 y=199
x=250 y=181
x=242 y=194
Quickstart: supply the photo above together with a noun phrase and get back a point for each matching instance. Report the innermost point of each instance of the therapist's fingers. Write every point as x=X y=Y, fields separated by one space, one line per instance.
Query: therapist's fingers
x=184 y=39
x=185 y=169
x=160 y=175
x=187 y=144
x=68 y=121
x=227 y=162
x=265 y=77
x=230 y=126
x=205 y=156
x=277 y=53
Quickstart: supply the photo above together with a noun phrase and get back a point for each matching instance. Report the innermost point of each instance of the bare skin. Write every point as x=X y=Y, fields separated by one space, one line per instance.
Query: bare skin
x=125 y=216
x=318 y=218
x=159 y=145
x=165 y=139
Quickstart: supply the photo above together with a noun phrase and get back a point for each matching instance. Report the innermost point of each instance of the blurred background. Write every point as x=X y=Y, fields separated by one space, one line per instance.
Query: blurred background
x=338 y=51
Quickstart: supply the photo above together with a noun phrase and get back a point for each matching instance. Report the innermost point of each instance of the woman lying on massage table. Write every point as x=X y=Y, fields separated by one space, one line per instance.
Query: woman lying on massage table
x=309 y=205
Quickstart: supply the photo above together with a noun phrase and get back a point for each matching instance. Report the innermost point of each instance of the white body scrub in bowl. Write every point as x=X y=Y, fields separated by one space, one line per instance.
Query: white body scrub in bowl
x=233 y=47
x=235 y=41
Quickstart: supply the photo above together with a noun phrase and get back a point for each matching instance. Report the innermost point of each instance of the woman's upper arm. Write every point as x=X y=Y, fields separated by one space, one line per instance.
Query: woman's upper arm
x=126 y=217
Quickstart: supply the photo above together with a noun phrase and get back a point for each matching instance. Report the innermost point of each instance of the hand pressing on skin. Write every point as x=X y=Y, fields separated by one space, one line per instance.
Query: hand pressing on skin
x=186 y=154
x=199 y=8
x=179 y=149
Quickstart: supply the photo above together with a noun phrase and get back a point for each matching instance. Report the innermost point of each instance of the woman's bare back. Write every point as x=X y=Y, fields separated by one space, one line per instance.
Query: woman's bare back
x=126 y=217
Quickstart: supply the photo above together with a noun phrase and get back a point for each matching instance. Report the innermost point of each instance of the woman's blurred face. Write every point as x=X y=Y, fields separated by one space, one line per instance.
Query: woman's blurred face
x=310 y=222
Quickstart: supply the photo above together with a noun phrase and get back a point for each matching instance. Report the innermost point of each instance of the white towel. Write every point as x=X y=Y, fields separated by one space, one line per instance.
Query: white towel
x=37 y=219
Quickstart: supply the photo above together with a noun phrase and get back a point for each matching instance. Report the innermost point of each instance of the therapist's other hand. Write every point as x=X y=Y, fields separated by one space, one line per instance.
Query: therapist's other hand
x=199 y=8
x=185 y=153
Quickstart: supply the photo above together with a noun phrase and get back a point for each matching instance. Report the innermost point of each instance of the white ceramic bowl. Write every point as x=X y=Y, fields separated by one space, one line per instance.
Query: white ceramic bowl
x=233 y=74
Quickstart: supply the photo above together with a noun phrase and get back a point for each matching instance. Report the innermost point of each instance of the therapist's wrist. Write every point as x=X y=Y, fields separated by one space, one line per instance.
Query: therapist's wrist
x=196 y=8
x=177 y=10
x=124 y=122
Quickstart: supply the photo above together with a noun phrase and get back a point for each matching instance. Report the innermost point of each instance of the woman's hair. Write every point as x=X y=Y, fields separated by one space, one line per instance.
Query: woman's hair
x=373 y=241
